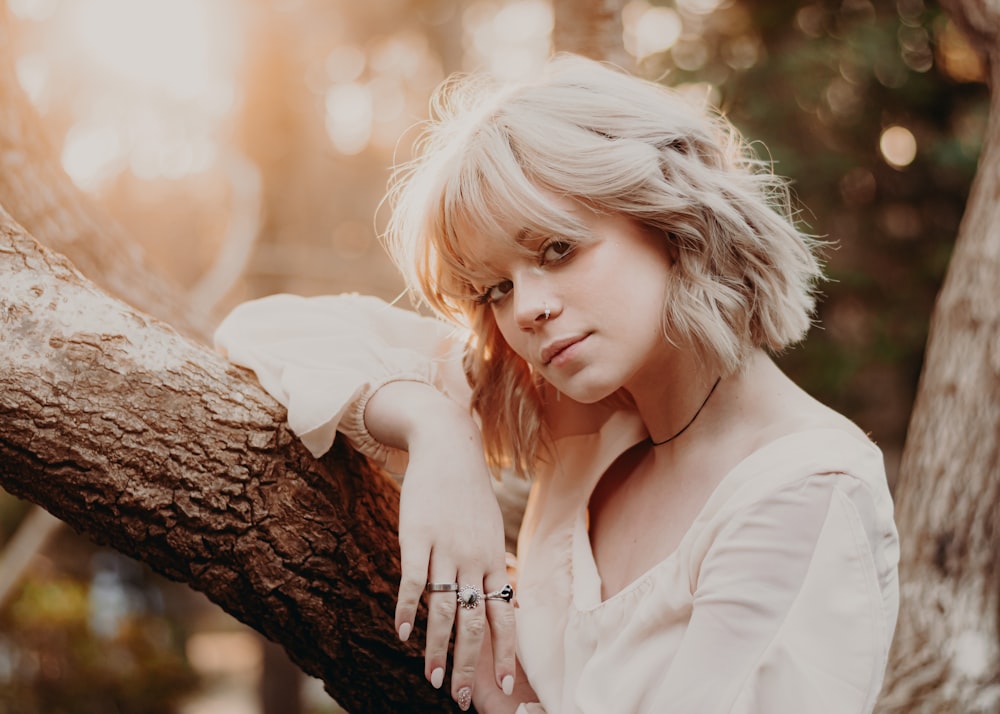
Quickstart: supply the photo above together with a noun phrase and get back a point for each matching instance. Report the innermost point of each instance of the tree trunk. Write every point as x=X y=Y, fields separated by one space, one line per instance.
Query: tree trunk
x=592 y=28
x=149 y=443
x=947 y=649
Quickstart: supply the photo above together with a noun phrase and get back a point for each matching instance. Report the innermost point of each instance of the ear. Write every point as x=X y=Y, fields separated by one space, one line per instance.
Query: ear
x=670 y=242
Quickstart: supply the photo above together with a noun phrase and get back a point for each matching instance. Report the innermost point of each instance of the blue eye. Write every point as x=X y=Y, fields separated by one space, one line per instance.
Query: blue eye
x=495 y=294
x=556 y=250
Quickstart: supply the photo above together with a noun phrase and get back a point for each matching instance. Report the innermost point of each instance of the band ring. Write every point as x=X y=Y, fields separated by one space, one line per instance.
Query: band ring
x=441 y=587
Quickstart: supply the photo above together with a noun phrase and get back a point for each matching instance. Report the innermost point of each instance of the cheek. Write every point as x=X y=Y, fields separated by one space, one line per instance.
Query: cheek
x=510 y=332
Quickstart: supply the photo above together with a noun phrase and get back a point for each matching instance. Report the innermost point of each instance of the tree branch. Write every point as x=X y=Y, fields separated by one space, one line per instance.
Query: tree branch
x=156 y=446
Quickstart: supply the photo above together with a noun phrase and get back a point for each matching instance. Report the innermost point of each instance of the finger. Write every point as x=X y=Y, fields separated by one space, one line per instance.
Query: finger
x=413 y=562
x=469 y=631
x=441 y=608
x=500 y=616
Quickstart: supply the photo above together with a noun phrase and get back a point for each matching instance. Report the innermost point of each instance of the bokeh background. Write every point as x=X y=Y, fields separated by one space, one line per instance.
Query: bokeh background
x=246 y=145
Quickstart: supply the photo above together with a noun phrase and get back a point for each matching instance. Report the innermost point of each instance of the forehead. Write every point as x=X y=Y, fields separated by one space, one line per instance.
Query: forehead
x=484 y=237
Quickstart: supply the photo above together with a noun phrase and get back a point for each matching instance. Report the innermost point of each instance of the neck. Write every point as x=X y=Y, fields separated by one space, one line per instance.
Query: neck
x=671 y=408
x=694 y=417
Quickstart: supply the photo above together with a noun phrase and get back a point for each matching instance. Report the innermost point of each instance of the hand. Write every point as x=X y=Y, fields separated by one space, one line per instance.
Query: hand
x=450 y=531
x=491 y=700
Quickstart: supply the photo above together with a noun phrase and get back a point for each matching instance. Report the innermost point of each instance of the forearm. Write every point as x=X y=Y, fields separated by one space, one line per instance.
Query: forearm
x=408 y=414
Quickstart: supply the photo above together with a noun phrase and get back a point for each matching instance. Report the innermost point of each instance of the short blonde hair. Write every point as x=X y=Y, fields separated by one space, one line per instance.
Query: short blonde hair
x=744 y=273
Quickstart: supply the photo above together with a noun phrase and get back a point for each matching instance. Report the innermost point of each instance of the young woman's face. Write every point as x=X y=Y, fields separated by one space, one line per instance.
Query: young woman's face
x=585 y=316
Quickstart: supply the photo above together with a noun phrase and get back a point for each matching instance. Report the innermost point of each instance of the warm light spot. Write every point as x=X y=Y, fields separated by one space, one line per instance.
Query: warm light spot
x=91 y=154
x=700 y=7
x=151 y=82
x=810 y=20
x=166 y=45
x=345 y=63
x=958 y=58
x=743 y=52
x=32 y=9
x=650 y=30
x=399 y=55
x=33 y=75
x=214 y=653
x=898 y=146
x=510 y=40
x=843 y=98
x=690 y=53
x=349 y=114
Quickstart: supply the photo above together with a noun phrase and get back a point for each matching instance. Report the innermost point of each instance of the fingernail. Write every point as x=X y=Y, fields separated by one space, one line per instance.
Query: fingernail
x=404 y=631
x=464 y=698
x=437 y=678
x=507 y=685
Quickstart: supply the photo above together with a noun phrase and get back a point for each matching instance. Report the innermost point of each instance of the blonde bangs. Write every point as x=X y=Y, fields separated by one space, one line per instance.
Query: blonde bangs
x=486 y=198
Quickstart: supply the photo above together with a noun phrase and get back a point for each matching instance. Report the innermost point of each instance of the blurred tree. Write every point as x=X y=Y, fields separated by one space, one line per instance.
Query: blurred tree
x=947 y=650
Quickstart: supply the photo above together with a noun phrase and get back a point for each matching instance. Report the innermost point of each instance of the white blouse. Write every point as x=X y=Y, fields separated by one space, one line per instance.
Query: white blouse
x=781 y=597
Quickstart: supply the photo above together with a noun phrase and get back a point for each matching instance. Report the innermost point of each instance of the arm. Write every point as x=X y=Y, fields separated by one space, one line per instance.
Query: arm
x=450 y=530
x=391 y=382
x=323 y=357
x=793 y=608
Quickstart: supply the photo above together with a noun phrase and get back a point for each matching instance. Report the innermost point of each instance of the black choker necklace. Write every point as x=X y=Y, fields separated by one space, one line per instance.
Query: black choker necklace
x=685 y=427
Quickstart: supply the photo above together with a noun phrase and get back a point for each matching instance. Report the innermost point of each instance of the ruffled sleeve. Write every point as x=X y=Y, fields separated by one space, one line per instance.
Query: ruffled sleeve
x=323 y=358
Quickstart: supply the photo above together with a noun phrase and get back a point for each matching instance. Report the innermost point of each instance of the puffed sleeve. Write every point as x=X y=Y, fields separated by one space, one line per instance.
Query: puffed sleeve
x=323 y=358
x=794 y=607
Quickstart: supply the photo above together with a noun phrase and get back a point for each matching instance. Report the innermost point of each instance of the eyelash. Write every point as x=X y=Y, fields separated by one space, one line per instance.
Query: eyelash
x=567 y=248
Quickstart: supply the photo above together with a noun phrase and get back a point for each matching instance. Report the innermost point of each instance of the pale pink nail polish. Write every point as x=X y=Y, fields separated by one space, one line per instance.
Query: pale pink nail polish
x=404 y=631
x=507 y=685
x=437 y=678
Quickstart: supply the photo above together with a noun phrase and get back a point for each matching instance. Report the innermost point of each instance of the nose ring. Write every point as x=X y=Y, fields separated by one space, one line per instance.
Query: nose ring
x=548 y=310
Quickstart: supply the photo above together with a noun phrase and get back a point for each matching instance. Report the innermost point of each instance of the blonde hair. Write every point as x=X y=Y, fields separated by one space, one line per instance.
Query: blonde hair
x=744 y=274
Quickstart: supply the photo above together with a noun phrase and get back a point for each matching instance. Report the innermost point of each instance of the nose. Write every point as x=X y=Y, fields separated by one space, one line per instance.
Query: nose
x=534 y=304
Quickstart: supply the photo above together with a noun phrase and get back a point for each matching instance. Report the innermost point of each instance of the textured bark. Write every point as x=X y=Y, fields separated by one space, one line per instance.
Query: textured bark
x=946 y=655
x=592 y=28
x=148 y=442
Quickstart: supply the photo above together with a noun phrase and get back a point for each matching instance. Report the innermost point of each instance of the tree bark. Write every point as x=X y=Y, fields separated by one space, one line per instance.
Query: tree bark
x=152 y=444
x=947 y=649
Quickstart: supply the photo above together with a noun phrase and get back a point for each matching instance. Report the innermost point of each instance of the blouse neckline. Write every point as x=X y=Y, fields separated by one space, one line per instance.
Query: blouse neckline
x=585 y=577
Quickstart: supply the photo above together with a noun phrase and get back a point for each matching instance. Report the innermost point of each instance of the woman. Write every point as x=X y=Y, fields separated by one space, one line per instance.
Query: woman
x=613 y=269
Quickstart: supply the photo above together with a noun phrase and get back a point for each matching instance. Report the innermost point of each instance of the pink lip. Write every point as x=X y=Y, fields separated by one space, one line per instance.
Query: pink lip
x=554 y=349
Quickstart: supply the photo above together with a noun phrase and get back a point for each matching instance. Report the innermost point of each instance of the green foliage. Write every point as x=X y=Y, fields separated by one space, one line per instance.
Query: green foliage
x=52 y=661
x=825 y=81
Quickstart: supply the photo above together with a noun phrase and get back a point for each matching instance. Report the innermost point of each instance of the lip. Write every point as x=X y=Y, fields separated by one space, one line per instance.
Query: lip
x=553 y=349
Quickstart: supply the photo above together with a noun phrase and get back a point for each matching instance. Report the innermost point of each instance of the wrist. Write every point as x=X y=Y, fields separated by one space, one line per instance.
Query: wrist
x=409 y=415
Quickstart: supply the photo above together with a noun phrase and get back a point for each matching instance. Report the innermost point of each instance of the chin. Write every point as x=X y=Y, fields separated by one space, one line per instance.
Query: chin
x=586 y=395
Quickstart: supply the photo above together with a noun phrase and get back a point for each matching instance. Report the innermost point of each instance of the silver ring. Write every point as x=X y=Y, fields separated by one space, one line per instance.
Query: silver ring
x=506 y=593
x=441 y=587
x=548 y=310
x=468 y=596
